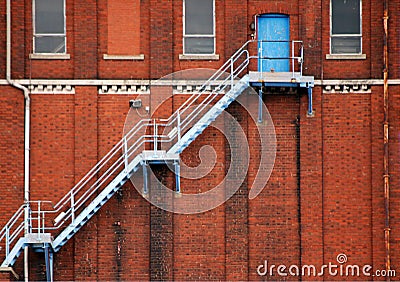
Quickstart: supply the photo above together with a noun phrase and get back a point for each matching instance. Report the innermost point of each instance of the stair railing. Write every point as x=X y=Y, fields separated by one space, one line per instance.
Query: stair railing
x=102 y=172
x=70 y=204
x=225 y=76
x=296 y=54
x=13 y=229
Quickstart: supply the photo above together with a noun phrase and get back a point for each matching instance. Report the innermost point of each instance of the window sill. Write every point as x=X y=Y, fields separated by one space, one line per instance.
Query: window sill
x=50 y=56
x=214 y=57
x=123 y=57
x=346 y=56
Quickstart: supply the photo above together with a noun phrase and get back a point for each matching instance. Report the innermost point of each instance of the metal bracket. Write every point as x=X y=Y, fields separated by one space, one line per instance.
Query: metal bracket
x=310 y=112
x=177 y=176
x=145 y=165
x=260 y=107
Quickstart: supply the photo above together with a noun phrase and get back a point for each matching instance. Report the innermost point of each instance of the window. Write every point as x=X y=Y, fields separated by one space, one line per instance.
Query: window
x=346 y=27
x=199 y=27
x=49 y=27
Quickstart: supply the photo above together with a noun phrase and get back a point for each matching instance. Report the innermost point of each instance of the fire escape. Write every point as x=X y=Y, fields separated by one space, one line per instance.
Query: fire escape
x=49 y=226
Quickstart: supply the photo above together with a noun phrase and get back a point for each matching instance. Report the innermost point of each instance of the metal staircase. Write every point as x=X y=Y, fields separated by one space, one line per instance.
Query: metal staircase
x=55 y=225
x=46 y=227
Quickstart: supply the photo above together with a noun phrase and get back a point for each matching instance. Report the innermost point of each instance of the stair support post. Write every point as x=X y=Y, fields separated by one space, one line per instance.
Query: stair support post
x=310 y=112
x=48 y=257
x=145 y=178
x=177 y=176
x=260 y=107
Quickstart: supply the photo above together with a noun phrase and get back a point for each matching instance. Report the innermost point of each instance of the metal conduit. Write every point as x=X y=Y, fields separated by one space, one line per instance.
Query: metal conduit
x=386 y=139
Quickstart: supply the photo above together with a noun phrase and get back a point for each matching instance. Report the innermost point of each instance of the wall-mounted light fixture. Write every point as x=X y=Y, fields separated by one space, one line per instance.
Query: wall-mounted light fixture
x=252 y=26
x=135 y=103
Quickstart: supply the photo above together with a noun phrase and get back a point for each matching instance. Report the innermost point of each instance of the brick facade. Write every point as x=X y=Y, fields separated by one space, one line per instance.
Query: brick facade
x=325 y=194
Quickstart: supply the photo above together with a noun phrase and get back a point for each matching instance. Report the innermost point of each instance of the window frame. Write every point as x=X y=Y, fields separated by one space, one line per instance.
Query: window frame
x=331 y=35
x=38 y=35
x=213 y=35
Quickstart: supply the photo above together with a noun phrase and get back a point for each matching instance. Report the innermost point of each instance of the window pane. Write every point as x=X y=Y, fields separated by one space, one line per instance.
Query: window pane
x=199 y=17
x=49 y=16
x=50 y=44
x=346 y=45
x=346 y=17
x=199 y=45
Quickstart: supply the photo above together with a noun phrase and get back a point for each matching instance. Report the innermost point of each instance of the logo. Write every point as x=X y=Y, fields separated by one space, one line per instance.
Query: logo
x=339 y=268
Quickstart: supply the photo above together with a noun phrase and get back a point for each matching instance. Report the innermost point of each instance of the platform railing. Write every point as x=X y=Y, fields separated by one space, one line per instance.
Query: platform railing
x=295 y=49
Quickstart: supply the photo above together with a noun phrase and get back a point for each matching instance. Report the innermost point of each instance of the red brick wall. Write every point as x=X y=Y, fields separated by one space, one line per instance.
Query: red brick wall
x=139 y=37
x=347 y=200
x=340 y=190
x=88 y=27
x=126 y=14
x=12 y=153
x=335 y=207
x=394 y=145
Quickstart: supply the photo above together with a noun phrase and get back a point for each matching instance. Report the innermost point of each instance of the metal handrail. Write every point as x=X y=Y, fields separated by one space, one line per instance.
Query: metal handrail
x=292 y=57
x=70 y=204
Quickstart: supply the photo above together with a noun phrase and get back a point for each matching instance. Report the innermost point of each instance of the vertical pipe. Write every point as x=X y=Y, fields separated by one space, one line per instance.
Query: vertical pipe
x=26 y=129
x=386 y=138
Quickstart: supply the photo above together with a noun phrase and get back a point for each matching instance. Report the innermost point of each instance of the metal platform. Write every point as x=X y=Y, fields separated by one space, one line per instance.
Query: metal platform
x=282 y=79
x=159 y=156
x=290 y=79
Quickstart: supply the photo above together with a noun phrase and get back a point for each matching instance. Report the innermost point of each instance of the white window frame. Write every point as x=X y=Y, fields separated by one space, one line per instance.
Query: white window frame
x=35 y=35
x=344 y=35
x=197 y=35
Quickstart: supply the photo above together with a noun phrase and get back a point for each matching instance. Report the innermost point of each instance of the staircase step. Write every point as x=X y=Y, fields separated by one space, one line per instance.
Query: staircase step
x=95 y=205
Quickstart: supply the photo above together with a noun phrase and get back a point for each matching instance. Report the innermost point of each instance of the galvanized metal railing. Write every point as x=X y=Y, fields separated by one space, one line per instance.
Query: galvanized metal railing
x=296 y=48
x=47 y=217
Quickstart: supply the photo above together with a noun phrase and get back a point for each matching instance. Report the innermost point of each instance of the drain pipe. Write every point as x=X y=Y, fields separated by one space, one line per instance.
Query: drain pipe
x=26 y=132
x=386 y=139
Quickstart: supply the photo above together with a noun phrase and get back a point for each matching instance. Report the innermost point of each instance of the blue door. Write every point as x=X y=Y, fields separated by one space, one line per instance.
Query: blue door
x=273 y=42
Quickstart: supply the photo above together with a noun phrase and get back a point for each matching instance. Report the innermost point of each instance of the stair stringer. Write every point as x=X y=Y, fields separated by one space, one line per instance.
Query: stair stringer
x=14 y=253
x=120 y=180
x=96 y=204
